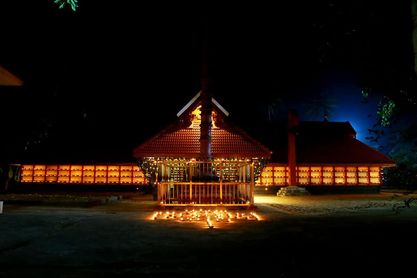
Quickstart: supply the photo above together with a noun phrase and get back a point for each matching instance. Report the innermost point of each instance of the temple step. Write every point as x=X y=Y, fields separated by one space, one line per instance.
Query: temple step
x=292 y=191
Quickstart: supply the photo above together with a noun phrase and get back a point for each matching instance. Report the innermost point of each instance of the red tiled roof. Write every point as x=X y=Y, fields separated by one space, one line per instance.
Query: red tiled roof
x=8 y=79
x=342 y=150
x=229 y=142
x=334 y=150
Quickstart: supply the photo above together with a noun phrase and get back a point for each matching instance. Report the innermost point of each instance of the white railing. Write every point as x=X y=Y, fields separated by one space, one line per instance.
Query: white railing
x=205 y=193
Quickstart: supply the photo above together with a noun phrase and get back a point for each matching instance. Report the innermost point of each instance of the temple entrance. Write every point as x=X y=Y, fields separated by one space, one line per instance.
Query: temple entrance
x=231 y=183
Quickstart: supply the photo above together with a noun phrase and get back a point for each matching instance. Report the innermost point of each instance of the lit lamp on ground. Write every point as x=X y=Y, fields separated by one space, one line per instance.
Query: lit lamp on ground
x=212 y=218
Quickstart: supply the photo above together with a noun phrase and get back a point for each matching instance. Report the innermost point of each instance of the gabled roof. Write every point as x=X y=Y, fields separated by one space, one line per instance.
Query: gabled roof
x=182 y=139
x=195 y=101
x=345 y=150
x=329 y=143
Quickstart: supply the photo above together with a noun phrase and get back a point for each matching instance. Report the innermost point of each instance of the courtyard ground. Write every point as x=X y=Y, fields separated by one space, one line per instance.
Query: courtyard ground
x=110 y=234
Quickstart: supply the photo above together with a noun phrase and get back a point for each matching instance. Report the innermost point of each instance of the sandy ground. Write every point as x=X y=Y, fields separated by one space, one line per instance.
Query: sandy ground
x=76 y=235
x=337 y=204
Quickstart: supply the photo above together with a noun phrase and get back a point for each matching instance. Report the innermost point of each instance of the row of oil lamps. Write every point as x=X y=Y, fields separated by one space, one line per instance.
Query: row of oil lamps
x=207 y=215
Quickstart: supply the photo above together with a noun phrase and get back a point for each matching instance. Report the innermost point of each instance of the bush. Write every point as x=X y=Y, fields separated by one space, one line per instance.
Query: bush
x=401 y=176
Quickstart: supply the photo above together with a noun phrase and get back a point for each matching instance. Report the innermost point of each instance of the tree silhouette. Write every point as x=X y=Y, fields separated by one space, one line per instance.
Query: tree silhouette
x=320 y=105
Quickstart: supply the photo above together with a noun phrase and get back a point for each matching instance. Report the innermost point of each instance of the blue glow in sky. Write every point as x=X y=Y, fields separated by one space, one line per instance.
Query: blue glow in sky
x=349 y=107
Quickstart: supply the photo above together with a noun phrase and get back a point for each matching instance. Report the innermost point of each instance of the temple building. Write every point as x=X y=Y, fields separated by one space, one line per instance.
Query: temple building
x=322 y=154
x=203 y=159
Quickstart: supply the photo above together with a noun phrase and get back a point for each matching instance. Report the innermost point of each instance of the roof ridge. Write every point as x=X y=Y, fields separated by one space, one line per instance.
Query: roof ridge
x=194 y=102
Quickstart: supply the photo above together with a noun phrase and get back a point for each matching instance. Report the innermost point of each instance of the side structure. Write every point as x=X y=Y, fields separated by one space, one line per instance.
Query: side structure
x=324 y=154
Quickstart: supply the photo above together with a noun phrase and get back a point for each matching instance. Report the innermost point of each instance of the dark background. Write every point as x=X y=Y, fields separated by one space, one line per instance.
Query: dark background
x=101 y=80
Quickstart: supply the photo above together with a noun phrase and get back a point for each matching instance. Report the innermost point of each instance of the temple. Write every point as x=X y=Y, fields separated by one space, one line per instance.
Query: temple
x=203 y=159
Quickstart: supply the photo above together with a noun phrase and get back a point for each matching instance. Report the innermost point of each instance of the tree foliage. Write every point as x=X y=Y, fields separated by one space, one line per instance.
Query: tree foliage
x=73 y=4
x=385 y=111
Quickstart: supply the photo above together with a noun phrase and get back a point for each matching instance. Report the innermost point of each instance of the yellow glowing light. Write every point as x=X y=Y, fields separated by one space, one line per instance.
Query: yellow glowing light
x=196 y=118
x=209 y=223
x=154 y=216
x=256 y=216
x=208 y=216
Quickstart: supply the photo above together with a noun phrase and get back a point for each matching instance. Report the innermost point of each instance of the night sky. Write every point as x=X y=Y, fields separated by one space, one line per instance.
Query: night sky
x=103 y=79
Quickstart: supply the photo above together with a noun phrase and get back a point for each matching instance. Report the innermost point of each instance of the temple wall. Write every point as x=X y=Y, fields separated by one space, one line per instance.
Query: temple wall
x=125 y=174
x=277 y=175
x=130 y=174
